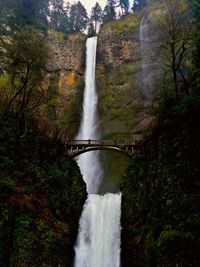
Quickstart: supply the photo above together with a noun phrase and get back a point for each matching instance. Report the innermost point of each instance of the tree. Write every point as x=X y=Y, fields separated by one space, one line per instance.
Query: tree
x=109 y=13
x=78 y=17
x=25 y=61
x=175 y=40
x=57 y=14
x=138 y=4
x=17 y=13
x=91 y=30
x=195 y=5
x=124 y=4
x=112 y=3
x=96 y=14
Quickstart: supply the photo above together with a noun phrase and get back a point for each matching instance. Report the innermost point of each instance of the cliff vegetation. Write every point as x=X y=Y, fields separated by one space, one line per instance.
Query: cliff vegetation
x=161 y=191
x=42 y=195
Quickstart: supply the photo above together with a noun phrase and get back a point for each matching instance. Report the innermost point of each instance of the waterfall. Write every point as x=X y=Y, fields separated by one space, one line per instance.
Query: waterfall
x=98 y=242
x=89 y=163
x=147 y=64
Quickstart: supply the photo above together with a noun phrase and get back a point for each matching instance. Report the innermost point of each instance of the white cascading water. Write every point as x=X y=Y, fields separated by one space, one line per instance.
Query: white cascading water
x=147 y=70
x=98 y=243
x=89 y=163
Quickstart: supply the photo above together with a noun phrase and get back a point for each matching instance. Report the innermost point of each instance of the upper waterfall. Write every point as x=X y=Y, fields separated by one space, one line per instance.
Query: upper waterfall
x=89 y=163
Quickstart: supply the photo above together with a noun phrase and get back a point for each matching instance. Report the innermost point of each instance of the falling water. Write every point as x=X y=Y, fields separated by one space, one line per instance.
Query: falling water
x=147 y=70
x=89 y=163
x=98 y=243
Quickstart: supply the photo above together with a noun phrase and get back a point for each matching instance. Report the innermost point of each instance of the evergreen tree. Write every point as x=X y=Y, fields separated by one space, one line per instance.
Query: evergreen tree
x=65 y=20
x=91 y=30
x=17 y=13
x=57 y=14
x=78 y=18
x=138 y=4
x=124 y=4
x=96 y=14
x=112 y=3
x=109 y=13
x=195 y=5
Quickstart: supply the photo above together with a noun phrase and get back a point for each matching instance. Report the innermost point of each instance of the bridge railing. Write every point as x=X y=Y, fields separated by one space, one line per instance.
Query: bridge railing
x=100 y=142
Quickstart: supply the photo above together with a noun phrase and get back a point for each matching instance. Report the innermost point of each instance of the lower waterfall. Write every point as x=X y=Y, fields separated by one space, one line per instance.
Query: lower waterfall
x=98 y=242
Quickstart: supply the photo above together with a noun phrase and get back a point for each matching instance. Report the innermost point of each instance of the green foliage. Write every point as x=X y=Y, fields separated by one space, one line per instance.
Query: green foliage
x=196 y=8
x=161 y=192
x=41 y=198
x=175 y=28
x=78 y=17
x=125 y=27
x=25 y=62
x=57 y=14
x=4 y=88
x=109 y=14
x=18 y=13
x=97 y=14
x=124 y=4
x=131 y=69
x=65 y=122
x=138 y=5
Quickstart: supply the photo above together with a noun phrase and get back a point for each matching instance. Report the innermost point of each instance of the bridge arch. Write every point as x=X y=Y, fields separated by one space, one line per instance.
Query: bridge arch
x=88 y=149
x=77 y=147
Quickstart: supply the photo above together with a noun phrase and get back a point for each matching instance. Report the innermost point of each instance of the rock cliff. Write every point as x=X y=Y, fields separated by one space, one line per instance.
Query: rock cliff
x=64 y=84
x=120 y=87
x=119 y=81
x=119 y=78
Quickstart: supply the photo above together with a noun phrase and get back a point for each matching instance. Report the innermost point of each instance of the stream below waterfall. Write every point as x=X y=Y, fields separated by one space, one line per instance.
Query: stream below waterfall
x=98 y=243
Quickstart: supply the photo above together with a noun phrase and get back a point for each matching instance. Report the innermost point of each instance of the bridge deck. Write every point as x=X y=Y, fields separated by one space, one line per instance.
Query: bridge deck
x=77 y=147
x=89 y=142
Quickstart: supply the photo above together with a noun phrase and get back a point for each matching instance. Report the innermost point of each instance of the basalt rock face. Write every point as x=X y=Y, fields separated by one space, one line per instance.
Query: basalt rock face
x=119 y=85
x=69 y=54
x=119 y=77
x=64 y=85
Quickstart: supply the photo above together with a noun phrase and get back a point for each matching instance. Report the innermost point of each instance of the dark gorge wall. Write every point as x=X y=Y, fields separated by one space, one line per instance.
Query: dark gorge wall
x=41 y=189
x=41 y=198
x=161 y=192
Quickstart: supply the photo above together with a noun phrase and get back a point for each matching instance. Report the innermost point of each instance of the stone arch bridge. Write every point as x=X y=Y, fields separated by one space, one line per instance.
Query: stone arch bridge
x=77 y=147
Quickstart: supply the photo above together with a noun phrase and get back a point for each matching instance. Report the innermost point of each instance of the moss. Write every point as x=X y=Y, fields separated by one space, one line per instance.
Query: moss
x=122 y=27
x=58 y=35
x=63 y=110
x=69 y=120
x=119 y=96
x=116 y=136
x=131 y=69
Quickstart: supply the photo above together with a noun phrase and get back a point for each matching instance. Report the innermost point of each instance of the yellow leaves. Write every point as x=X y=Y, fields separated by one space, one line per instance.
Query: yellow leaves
x=5 y=91
x=66 y=81
x=70 y=79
